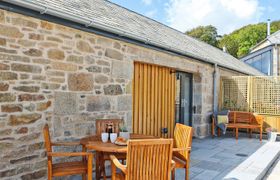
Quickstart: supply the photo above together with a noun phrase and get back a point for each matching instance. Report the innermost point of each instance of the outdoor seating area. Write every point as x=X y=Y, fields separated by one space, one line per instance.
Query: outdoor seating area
x=214 y=158
x=150 y=157
x=145 y=157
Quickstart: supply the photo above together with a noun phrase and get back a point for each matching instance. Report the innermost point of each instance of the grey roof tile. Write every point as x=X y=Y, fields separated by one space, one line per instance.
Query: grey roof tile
x=114 y=17
x=274 y=38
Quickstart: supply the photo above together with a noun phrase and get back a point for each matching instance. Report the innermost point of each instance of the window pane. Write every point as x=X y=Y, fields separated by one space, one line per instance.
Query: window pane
x=249 y=61
x=266 y=63
x=257 y=62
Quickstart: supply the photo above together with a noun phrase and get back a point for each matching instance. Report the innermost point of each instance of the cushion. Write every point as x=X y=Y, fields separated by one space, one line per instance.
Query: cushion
x=222 y=119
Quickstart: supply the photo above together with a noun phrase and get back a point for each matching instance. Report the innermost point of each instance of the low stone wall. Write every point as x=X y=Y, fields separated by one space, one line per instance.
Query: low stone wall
x=68 y=78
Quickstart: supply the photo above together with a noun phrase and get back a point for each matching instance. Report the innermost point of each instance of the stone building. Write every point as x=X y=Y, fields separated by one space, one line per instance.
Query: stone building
x=68 y=63
x=265 y=56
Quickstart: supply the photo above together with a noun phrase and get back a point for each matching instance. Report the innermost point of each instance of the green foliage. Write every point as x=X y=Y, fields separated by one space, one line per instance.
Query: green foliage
x=230 y=42
x=237 y=43
x=123 y=127
x=207 y=34
x=244 y=39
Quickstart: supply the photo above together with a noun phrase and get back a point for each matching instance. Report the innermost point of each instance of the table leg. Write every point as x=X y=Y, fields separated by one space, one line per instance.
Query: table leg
x=84 y=149
x=97 y=165
x=102 y=165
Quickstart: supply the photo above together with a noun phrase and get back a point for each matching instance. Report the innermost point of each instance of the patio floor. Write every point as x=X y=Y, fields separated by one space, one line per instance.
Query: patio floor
x=215 y=158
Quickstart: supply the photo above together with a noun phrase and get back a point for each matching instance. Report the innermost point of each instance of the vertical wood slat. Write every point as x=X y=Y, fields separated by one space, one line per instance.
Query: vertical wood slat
x=139 y=122
x=156 y=102
x=136 y=96
x=159 y=118
x=153 y=100
x=149 y=87
x=144 y=99
x=163 y=99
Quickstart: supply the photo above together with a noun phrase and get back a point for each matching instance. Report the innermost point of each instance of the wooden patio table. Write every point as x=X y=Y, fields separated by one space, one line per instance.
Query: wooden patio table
x=103 y=149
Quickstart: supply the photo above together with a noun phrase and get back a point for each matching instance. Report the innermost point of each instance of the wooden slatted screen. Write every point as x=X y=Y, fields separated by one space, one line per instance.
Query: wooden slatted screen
x=253 y=94
x=234 y=92
x=153 y=100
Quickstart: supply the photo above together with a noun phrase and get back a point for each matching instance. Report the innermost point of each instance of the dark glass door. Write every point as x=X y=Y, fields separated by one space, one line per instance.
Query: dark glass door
x=184 y=115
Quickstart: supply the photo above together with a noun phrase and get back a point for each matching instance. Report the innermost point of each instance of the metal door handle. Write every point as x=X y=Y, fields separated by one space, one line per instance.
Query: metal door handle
x=183 y=102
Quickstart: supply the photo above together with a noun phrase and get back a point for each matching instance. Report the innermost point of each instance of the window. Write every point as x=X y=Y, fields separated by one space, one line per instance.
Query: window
x=262 y=62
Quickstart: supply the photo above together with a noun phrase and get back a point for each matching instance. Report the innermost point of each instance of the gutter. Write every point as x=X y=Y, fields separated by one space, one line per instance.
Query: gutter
x=88 y=23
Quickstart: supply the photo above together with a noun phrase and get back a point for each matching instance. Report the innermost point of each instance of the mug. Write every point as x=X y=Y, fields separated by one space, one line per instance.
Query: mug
x=104 y=137
x=113 y=137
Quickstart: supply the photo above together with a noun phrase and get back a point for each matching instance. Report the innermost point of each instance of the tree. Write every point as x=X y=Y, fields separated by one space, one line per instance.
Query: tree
x=240 y=41
x=230 y=43
x=207 y=34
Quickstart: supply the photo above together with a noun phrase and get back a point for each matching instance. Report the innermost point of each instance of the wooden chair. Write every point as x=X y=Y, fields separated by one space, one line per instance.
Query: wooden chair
x=146 y=160
x=183 y=139
x=100 y=125
x=66 y=168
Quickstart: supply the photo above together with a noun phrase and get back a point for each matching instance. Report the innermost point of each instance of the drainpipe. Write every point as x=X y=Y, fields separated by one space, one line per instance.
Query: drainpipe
x=215 y=88
x=277 y=60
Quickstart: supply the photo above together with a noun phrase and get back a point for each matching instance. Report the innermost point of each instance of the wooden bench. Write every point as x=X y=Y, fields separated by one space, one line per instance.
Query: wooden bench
x=241 y=120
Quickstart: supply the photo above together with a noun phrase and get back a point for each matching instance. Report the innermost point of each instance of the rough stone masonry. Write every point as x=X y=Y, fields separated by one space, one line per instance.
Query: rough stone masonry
x=67 y=78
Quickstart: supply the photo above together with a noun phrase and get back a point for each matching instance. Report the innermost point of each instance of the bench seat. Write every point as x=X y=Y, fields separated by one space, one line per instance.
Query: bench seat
x=242 y=125
x=241 y=120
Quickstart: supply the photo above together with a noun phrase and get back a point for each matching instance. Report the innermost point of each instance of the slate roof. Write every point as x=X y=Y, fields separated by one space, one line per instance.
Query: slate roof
x=274 y=38
x=109 y=16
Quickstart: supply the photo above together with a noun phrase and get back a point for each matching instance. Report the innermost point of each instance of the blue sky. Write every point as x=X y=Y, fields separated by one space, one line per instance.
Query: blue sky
x=226 y=15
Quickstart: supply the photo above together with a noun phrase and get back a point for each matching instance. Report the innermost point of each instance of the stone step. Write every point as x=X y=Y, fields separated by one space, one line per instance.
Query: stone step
x=256 y=166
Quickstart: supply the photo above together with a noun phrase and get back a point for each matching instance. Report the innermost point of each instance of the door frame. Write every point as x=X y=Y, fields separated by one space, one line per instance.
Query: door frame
x=191 y=98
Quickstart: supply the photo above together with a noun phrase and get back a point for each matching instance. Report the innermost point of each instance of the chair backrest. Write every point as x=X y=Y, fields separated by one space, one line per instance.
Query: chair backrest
x=183 y=138
x=240 y=117
x=149 y=159
x=101 y=125
x=47 y=138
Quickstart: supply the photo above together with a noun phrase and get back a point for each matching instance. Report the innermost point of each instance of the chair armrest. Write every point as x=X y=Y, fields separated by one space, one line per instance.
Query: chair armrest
x=66 y=144
x=172 y=164
x=179 y=156
x=259 y=119
x=61 y=154
x=182 y=149
x=117 y=163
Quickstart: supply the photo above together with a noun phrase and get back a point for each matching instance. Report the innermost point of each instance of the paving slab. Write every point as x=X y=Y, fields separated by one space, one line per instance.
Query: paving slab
x=256 y=165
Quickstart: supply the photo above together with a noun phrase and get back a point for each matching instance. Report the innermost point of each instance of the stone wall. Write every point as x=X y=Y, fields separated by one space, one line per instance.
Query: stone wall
x=68 y=78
